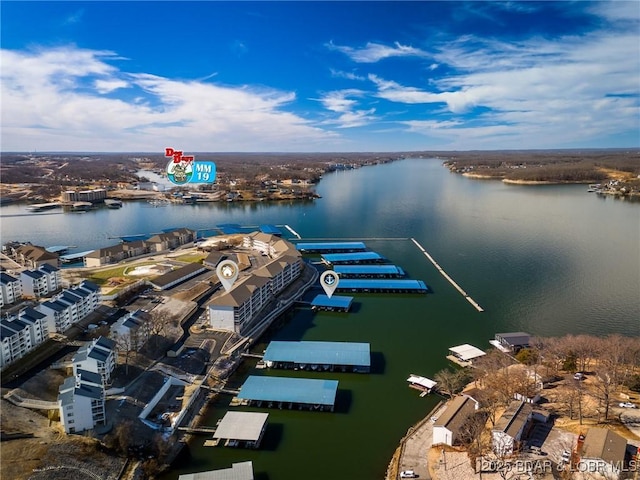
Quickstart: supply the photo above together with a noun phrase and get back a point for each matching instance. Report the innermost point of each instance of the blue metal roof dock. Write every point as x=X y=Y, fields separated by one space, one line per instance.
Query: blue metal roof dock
x=271 y=230
x=335 y=303
x=330 y=247
x=355 y=357
x=290 y=392
x=230 y=228
x=382 y=285
x=369 y=271
x=352 y=258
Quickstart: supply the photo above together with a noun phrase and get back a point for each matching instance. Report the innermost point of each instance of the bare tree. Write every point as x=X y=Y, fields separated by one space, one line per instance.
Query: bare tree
x=451 y=382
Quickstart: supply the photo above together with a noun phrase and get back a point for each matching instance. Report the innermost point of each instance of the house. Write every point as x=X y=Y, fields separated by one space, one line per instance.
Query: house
x=447 y=427
x=603 y=451
x=98 y=356
x=510 y=428
x=81 y=402
x=38 y=283
x=511 y=342
x=10 y=288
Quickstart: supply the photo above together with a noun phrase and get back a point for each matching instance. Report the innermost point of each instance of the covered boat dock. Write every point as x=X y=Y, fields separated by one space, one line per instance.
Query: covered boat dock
x=244 y=429
x=464 y=354
x=382 y=286
x=424 y=384
x=320 y=356
x=335 y=303
x=352 y=258
x=331 y=247
x=282 y=392
x=369 y=271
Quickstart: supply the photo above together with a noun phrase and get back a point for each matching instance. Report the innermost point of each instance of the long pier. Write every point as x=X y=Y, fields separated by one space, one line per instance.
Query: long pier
x=293 y=232
x=448 y=278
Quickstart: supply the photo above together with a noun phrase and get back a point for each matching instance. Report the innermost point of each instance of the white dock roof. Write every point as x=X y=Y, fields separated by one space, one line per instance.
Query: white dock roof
x=422 y=381
x=245 y=426
x=466 y=352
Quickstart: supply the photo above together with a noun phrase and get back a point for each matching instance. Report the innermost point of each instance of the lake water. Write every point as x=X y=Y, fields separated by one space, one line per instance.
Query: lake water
x=549 y=260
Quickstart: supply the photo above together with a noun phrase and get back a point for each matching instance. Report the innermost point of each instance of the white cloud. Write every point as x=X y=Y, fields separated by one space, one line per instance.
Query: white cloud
x=52 y=100
x=374 y=52
x=339 y=101
x=535 y=93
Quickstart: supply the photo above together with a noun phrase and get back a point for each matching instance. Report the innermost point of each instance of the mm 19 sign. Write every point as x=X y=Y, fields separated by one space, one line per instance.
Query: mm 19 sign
x=185 y=169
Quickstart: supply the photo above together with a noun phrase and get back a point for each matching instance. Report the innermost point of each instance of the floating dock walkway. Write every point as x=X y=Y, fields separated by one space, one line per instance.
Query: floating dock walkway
x=445 y=275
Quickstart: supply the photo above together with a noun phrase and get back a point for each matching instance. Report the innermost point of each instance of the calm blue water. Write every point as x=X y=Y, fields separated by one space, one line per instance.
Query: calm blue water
x=549 y=260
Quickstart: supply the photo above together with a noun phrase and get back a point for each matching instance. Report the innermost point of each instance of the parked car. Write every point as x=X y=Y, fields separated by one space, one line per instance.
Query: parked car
x=408 y=474
x=566 y=456
x=578 y=376
x=627 y=405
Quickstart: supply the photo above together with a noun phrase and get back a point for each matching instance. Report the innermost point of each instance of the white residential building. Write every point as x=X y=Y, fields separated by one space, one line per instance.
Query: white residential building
x=11 y=288
x=81 y=402
x=236 y=310
x=21 y=335
x=510 y=427
x=446 y=428
x=70 y=306
x=38 y=283
x=98 y=356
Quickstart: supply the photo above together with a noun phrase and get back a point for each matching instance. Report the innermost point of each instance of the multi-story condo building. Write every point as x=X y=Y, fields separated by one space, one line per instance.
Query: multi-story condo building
x=81 y=402
x=10 y=287
x=70 y=306
x=31 y=256
x=98 y=356
x=38 y=283
x=16 y=340
x=116 y=253
x=19 y=335
x=93 y=196
x=237 y=309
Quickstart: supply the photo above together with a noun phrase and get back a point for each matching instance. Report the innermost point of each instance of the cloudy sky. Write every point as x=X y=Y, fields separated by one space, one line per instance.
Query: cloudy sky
x=319 y=76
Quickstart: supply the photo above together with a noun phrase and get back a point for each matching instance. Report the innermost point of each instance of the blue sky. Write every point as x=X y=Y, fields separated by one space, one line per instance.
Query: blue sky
x=319 y=76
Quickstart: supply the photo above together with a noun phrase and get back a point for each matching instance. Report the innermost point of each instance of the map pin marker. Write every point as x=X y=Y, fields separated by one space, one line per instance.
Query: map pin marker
x=227 y=271
x=329 y=282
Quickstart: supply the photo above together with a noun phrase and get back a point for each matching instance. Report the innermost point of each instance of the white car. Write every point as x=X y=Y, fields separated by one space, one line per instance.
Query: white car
x=627 y=405
x=408 y=474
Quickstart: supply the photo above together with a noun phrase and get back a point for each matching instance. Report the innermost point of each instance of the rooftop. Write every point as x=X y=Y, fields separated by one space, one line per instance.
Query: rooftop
x=336 y=301
x=245 y=426
x=321 y=353
x=466 y=352
x=283 y=389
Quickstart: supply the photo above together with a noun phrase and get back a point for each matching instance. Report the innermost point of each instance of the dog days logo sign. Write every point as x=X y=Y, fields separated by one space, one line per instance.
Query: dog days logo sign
x=183 y=169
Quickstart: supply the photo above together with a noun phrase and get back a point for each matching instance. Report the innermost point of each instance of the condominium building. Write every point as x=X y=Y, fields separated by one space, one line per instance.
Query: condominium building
x=93 y=196
x=10 y=289
x=237 y=309
x=19 y=335
x=81 y=402
x=70 y=306
x=98 y=356
x=38 y=283
x=31 y=256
